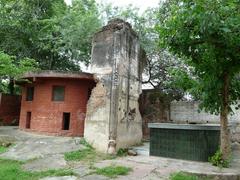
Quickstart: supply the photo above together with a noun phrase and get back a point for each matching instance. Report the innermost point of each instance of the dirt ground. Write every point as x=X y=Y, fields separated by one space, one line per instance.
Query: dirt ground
x=47 y=152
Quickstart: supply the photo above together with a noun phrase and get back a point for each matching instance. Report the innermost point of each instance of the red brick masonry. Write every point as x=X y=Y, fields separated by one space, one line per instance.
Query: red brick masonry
x=46 y=114
x=9 y=109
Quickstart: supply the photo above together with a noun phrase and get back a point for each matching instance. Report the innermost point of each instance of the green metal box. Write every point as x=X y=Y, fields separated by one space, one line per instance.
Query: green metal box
x=184 y=141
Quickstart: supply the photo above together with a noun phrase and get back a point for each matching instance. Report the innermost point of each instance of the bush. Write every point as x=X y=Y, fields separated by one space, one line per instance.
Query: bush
x=217 y=160
x=122 y=152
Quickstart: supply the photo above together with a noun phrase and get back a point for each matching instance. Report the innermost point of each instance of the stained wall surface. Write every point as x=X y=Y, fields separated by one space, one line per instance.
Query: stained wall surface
x=113 y=120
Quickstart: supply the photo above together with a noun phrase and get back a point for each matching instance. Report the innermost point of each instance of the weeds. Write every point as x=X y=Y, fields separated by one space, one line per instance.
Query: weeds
x=217 y=160
x=88 y=154
x=185 y=176
x=3 y=149
x=113 y=171
x=11 y=169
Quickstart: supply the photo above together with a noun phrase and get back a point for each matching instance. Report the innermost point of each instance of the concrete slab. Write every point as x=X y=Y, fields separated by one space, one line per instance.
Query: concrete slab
x=142 y=150
x=95 y=177
x=51 y=149
x=60 y=178
x=82 y=170
x=30 y=146
x=56 y=161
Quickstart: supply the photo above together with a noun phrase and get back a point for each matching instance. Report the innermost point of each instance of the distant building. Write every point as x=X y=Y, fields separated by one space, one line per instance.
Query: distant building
x=9 y=109
x=55 y=103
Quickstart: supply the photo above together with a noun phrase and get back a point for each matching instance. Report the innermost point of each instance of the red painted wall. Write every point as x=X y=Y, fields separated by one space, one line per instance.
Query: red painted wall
x=9 y=109
x=47 y=115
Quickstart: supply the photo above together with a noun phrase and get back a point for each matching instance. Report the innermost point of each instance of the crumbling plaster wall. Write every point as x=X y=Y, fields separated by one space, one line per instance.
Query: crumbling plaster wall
x=113 y=120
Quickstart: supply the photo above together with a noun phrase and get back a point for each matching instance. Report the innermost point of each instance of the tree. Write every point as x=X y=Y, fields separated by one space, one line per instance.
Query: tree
x=28 y=28
x=77 y=29
x=159 y=61
x=54 y=34
x=10 y=69
x=206 y=34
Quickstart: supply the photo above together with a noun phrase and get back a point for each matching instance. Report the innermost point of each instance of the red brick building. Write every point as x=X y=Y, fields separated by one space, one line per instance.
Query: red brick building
x=9 y=109
x=55 y=103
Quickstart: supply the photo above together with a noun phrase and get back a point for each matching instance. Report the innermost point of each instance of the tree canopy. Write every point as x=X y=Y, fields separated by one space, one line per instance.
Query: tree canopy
x=11 y=69
x=206 y=34
x=160 y=62
x=54 y=34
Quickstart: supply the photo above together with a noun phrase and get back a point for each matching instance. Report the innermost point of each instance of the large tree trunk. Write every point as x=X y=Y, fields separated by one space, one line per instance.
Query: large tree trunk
x=225 y=135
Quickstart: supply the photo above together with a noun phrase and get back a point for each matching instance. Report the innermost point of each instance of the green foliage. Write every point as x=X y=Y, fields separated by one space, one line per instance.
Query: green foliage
x=217 y=160
x=78 y=26
x=113 y=171
x=10 y=67
x=54 y=34
x=85 y=143
x=11 y=169
x=3 y=149
x=205 y=35
x=185 y=81
x=183 y=176
x=4 y=87
x=122 y=152
x=88 y=154
x=158 y=60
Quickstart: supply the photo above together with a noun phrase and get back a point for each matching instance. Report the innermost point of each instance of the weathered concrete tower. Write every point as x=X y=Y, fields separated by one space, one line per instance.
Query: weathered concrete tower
x=113 y=120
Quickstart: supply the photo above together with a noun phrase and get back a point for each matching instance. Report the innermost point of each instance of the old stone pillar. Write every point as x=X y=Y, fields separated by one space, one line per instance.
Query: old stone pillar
x=113 y=120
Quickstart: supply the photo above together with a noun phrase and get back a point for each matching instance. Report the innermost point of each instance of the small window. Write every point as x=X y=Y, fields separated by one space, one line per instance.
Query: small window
x=28 y=120
x=30 y=94
x=66 y=121
x=58 y=93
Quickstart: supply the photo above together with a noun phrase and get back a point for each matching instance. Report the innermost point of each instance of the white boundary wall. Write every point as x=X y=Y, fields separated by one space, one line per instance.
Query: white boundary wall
x=182 y=111
x=188 y=112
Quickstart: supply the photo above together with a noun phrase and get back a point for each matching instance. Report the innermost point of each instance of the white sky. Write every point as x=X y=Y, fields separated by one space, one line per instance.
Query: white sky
x=142 y=4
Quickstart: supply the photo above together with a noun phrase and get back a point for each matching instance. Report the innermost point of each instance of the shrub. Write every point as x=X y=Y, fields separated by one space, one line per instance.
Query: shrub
x=122 y=152
x=217 y=160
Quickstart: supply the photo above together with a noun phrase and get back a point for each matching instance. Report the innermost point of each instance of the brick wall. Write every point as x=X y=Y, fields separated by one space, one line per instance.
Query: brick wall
x=9 y=109
x=154 y=109
x=47 y=115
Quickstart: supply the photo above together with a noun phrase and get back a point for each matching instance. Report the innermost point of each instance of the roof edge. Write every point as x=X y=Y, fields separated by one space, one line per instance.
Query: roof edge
x=58 y=74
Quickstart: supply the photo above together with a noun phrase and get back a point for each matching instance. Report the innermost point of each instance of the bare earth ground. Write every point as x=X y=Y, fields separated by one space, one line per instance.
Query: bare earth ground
x=47 y=152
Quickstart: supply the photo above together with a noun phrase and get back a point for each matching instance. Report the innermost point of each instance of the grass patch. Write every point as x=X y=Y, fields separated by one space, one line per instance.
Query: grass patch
x=185 y=176
x=3 y=149
x=113 y=171
x=11 y=169
x=80 y=155
x=88 y=154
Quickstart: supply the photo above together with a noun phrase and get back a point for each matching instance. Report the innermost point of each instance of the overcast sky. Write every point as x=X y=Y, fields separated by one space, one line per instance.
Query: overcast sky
x=142 y=4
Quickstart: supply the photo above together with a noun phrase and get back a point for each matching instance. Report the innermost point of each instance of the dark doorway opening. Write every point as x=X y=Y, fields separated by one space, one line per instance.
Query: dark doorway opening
x=66 y=121
x=28 y=120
